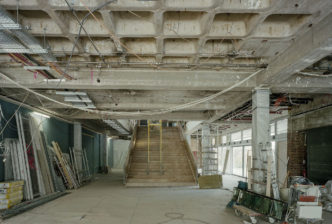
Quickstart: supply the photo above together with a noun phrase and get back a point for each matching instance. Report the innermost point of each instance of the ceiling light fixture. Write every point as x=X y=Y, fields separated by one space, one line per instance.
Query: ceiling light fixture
x=34 y=113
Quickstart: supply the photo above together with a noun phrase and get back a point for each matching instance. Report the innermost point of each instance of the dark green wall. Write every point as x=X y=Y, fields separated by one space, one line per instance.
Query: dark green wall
x=90 y=143
x=319 y=154
x=54 y=130
x=59 y=131
x=110 y=152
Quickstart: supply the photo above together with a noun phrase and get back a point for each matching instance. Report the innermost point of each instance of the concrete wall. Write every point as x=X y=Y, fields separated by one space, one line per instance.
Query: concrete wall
x=120 y=152
x=317 y=113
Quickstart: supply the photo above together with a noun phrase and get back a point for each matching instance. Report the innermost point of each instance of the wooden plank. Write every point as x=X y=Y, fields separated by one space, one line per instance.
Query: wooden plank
x=58 y=153
x=225 y=161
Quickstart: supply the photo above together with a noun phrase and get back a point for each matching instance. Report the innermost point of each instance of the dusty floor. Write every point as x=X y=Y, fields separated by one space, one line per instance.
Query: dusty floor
x=106 y=200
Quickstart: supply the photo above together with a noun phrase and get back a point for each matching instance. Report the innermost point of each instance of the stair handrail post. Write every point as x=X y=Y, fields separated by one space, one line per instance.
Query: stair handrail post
x=161 y=147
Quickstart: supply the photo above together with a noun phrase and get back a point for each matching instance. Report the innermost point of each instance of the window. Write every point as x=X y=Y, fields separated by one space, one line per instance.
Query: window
x=282 y=126
x=235 y=137
x=220 y=158
x=246 y=134
x=224 y=139
x=238 y=160
x=213 y=141
x=247 y=152
x=272 y=129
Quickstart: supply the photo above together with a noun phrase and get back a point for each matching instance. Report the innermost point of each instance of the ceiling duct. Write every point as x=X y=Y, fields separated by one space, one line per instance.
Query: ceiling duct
x=77 y=99
x=116 y=126
x=9 y=45
x=28 y=40
x=6 y=22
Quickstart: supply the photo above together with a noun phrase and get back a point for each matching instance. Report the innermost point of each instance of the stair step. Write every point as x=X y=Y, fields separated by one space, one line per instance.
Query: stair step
x=156 y=172
x=150 y=179
x=177 y=170
x=157 y=153
x=156 y=165
x=156 y=184
x=157 y=159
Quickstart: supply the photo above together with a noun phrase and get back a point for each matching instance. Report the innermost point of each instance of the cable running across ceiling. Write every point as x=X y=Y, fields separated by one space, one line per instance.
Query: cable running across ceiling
x=138 y=113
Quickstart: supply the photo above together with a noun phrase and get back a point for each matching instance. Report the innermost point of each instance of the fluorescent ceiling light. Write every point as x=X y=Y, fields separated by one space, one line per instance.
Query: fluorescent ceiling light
x=54 y=80
x=77 y=99
x=40 y=114
x=36 y=67
x=70 y=93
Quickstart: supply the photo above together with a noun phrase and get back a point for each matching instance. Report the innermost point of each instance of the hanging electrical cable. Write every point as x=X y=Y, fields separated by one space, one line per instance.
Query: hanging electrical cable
x=154 y=112
x=315 y=75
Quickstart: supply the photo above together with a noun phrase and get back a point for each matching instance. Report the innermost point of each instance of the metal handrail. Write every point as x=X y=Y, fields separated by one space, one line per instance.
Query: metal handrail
x=129 y=157
x=190 y=156
x=160 y=124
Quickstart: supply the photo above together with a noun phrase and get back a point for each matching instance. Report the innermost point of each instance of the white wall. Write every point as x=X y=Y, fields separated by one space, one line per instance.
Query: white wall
x=281 y=161
x=120 y=152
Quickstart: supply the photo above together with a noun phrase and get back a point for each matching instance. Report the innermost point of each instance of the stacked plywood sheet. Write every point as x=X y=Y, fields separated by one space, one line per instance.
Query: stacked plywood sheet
x=45 y=181
x=20 y=165
x=11 y=193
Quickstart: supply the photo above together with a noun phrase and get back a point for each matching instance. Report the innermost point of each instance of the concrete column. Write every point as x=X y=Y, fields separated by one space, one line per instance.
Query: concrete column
x=103 y=150
x=260 y=137
x=188 y=139
x=205 y=146
x=78 y=144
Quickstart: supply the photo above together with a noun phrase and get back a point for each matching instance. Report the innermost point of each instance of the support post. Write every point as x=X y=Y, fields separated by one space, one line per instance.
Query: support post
x=78 y=146
x=260 y=137
x=205 y=147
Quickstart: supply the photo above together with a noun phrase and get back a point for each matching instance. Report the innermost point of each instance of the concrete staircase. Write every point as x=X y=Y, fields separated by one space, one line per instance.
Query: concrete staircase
x=176 y=164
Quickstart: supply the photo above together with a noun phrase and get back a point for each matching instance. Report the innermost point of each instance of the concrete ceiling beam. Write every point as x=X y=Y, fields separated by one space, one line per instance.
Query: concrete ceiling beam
x=108 y=19
x=174 y=116
x=312 y=46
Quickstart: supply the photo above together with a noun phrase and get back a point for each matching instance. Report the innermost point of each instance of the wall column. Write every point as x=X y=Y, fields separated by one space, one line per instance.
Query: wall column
x=78 y=145
x=260 y=137
x=205 y=147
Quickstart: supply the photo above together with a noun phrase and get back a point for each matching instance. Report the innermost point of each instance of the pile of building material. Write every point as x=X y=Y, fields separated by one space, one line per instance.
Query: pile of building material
x=17 y=165
x=36 y=172
x=327 y=196
x=81 y=175
x=11 y=193
x=210 y=182
x=304 y=200
x=65 y=168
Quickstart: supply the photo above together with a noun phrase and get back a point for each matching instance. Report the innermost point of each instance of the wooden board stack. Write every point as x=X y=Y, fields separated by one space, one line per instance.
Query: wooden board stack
x=11 y=193
x=64 y=167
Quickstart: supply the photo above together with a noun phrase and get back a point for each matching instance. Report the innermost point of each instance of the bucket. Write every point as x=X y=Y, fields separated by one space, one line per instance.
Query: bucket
x=284 y=194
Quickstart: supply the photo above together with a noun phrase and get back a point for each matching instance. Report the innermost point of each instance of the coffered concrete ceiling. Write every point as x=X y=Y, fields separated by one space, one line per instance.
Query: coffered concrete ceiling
x=139 y=55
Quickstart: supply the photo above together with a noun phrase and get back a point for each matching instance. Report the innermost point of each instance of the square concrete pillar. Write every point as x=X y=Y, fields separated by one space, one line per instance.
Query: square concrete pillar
x=78 y=144
x=260 y=137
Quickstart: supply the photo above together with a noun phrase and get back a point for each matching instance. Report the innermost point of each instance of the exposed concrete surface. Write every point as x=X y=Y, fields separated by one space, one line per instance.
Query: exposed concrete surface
x=108 y=201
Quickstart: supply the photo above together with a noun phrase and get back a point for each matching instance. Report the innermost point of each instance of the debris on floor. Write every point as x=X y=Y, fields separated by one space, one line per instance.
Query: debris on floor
x=302 y=201
x=326 y=192
x=11 y=193
x=210 y=182
x=27 y=205
x=35 y=172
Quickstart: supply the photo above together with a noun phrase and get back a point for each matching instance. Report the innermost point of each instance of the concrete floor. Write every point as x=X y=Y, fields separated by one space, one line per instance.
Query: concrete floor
x=106 y=200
